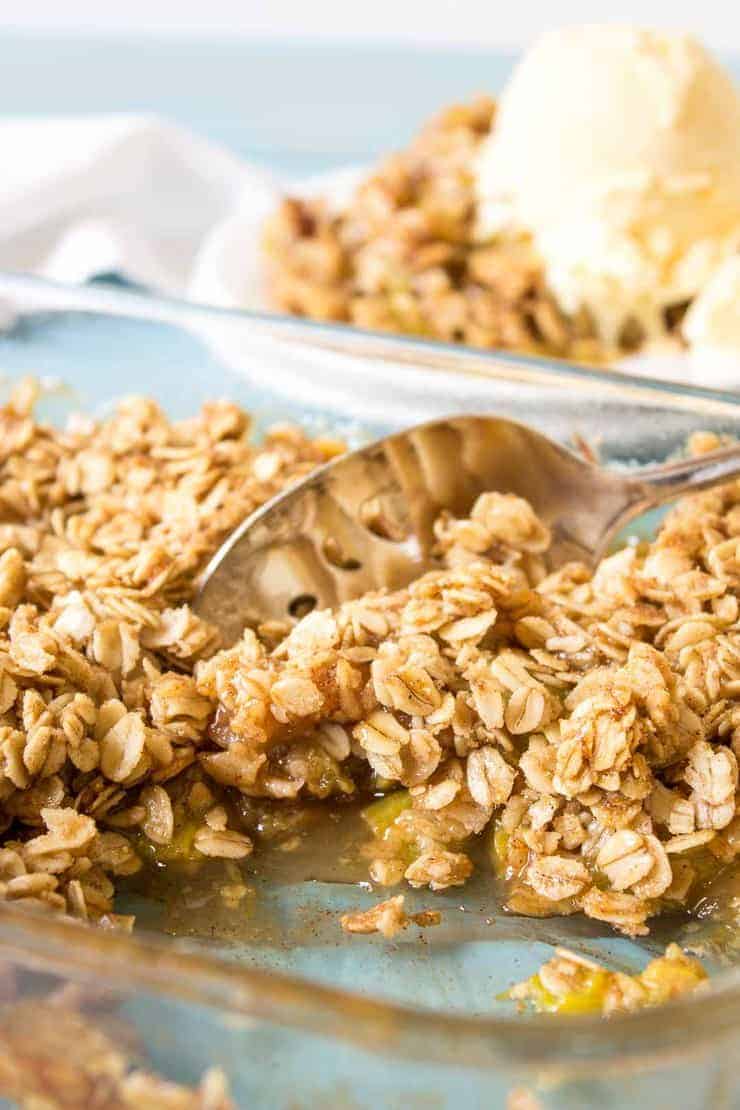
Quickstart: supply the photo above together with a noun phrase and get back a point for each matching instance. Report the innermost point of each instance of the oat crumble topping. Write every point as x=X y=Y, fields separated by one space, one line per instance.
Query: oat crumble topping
x=583 y=723
x=104 y=528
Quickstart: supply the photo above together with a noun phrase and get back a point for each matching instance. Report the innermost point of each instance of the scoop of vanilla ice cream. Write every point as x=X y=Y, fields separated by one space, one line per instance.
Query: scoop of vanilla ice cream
x=618 y=151
x=712 y=324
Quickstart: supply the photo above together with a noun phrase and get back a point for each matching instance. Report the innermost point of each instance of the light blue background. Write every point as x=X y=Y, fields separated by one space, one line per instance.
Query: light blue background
x=296 y=106
x=299 y=107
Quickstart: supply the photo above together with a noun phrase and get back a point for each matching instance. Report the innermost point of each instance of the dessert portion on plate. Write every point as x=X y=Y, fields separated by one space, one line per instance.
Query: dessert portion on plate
x=579 y=217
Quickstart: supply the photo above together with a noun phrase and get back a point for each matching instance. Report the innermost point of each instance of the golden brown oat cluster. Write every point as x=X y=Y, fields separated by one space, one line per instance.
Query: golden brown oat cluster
x=586 y=722
x=104 y=527
x=403 y=255
x=388 y=918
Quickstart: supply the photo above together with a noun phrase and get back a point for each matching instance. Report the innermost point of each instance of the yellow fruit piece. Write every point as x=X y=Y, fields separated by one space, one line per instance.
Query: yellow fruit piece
x=542 y=999
x=498 y=847
x=671 y=975
x=181 y=848
x=589 y=999
x=381 y=814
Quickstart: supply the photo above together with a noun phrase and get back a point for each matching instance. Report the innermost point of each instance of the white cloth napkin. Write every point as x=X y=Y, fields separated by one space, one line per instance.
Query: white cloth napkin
x=128 y=193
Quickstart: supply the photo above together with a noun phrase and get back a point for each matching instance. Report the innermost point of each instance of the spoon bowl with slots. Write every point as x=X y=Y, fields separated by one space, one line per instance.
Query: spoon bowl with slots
x=364 y=521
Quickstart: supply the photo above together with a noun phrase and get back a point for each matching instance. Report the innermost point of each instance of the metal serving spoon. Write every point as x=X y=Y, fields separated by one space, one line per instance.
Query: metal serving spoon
x=365 y=520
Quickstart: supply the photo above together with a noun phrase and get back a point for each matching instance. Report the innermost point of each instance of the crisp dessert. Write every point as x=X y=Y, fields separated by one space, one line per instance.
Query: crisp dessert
x=583 y=722
x=106 y=526
x=579 y=217
x=576 y=730
x=404 y=255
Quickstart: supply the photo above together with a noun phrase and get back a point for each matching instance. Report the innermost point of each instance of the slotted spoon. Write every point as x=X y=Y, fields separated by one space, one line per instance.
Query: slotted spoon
x=364 y=521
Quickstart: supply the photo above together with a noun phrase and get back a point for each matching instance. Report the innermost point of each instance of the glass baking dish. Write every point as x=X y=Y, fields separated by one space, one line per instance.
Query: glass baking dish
x=302 y=1014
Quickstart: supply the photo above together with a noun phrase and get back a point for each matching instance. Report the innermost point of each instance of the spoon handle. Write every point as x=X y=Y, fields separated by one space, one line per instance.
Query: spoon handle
x=663 y=483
